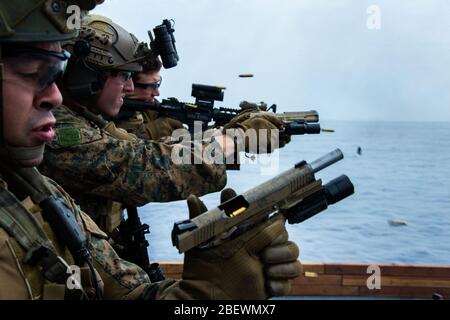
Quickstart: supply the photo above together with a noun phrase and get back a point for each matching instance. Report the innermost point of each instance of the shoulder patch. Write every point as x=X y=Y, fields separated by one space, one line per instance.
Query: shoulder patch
x=68 y=136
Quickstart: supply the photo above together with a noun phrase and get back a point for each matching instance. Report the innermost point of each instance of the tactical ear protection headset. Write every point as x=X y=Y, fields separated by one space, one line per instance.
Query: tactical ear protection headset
x=101 y=45
x=82 y=82
x=82 y=48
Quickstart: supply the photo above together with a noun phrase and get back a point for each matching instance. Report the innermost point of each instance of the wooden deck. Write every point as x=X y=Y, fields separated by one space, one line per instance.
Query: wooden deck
x=323 y=279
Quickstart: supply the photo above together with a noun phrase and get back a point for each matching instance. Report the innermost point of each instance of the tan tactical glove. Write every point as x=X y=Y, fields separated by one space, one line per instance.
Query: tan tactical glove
x=255 y=265
x=159 y=127
x=257 y=120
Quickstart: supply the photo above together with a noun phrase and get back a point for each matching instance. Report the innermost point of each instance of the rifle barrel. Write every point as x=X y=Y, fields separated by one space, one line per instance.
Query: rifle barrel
x=302 y=127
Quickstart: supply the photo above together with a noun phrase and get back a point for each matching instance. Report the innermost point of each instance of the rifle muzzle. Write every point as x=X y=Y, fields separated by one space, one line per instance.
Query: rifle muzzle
x=298 y=128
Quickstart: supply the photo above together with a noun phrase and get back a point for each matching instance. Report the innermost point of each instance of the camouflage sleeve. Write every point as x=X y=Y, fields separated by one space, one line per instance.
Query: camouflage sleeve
x=84 y=159
x=121 y=279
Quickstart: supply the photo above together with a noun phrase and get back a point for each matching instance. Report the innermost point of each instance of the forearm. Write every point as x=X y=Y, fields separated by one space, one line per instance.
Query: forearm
x=134 y=173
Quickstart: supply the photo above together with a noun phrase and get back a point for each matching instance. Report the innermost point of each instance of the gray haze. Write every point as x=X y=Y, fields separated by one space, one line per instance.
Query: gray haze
x=310 y=54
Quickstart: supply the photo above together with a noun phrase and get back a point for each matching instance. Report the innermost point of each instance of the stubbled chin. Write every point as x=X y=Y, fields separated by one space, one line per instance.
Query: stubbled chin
x=117 y=109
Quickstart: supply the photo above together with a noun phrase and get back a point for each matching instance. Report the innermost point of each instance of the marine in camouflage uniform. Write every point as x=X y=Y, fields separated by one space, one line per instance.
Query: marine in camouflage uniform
x=35 y=250
x=217 y=273
x=23 y=229
x=119 y=279
x=95 y=167
x=106 y=169
x=101 y=166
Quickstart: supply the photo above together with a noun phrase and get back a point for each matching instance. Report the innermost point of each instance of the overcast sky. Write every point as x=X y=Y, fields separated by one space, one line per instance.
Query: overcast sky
x=307 y=54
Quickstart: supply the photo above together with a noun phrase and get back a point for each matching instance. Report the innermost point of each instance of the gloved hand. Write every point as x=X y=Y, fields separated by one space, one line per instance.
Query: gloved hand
x=255 y=265
x=159 y=127
x=257 y=120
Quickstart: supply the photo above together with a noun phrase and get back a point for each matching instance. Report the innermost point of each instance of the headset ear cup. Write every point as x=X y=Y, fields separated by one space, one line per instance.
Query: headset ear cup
x=82 y=48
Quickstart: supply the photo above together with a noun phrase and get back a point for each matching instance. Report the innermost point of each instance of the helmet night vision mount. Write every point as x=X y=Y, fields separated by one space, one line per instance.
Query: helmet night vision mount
x=163 y=43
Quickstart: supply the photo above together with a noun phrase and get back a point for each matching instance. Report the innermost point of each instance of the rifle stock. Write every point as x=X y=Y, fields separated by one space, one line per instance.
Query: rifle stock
x=133 y=233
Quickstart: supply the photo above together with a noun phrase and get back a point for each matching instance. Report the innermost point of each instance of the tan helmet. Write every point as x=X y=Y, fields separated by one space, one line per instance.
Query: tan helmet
x=105 y=45
x=101 y=46
x=39 y=20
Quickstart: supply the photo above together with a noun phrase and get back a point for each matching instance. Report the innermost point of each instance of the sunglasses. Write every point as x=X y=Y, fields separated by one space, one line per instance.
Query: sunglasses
x=123 y=75
x=49 y=66
x=16 y=51
x=153 y=85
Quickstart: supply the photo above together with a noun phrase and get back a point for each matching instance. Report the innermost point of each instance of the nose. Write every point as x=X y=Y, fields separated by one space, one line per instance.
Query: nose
x=156 y=93
x=48 y=98
x=128 y=87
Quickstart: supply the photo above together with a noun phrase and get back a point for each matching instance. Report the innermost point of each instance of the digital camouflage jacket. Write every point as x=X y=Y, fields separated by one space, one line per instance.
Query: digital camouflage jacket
x=95 y=167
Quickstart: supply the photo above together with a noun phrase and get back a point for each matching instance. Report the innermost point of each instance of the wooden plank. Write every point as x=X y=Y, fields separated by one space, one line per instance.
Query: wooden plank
x=411 y=292
x=398 y=282
x=434 y=271
x=429 y=271
x=335 y=280
x=175 y=264
x=323 y=290
x=346 y=268
x=172 y=270
x=419 y=281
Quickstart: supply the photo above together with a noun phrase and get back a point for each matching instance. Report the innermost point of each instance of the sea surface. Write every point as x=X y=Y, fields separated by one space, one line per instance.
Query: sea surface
x=403 y=173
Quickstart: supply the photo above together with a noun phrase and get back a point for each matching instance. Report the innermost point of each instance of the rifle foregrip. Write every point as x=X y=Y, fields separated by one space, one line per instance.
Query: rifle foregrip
x=299 y=128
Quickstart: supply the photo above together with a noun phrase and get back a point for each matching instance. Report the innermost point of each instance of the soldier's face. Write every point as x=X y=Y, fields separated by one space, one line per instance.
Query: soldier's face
x=28 y=99
x=111 y=98
x=144 y=89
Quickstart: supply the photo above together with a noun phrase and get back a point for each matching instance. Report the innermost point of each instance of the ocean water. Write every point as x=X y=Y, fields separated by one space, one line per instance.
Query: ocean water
x=403 y=173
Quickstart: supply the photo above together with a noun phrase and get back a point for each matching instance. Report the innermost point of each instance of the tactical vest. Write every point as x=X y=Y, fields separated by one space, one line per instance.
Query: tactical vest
x=41 y=259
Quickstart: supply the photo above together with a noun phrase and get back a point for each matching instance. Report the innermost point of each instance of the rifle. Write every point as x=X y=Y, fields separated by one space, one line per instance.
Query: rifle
x=203 y=110
x=295 y=193
x=133 y=233
x=309 y=116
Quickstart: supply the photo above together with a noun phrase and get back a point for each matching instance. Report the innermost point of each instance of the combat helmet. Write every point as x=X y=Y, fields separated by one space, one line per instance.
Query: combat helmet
x=28 y=21
x=101 y=48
